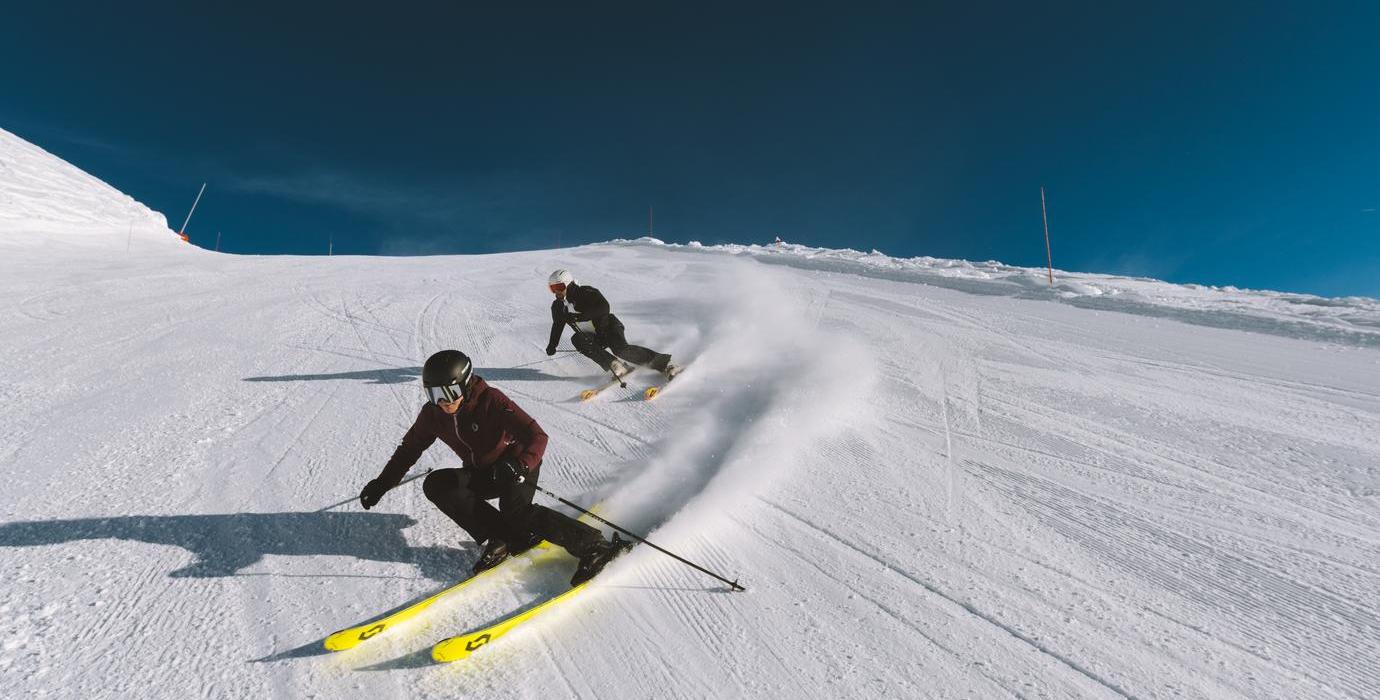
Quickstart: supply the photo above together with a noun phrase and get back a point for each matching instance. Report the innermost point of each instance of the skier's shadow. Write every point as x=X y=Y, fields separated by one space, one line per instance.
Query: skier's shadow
x=225 y=544
x=406 y=375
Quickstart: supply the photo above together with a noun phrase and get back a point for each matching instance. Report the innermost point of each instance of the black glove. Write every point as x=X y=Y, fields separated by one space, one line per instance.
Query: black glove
x=509 y=472
x=551 y=349
x=371 y=494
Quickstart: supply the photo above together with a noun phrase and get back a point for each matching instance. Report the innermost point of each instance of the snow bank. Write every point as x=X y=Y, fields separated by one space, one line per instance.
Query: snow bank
x=46 y=202
x=1346 y=321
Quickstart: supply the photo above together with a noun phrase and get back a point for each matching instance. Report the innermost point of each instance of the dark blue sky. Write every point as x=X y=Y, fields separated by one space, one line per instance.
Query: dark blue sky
x=1220 y=143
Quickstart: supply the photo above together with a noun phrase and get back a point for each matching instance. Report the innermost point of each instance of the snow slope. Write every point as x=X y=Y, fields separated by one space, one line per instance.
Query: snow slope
x=929 y=489
x=46 y=202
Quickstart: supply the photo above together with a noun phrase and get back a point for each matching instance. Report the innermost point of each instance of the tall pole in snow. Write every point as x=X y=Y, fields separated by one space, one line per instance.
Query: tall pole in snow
x=330 y=245
x=183 y=232
x=651 y=219
x=1048 y=257
x=217 y=241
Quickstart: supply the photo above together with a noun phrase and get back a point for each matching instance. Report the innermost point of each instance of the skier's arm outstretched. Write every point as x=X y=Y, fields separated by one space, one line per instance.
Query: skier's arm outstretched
x=413 y=444
x=557 y=325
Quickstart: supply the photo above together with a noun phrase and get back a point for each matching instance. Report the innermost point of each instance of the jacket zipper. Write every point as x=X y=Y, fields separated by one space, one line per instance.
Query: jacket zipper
x=455 y=420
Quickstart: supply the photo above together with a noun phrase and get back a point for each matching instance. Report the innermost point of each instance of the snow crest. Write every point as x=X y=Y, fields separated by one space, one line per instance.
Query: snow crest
x=1346 y=320
x=47 y=201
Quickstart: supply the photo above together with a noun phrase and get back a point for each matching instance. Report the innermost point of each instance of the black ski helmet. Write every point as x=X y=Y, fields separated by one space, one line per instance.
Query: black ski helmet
x=448 y=368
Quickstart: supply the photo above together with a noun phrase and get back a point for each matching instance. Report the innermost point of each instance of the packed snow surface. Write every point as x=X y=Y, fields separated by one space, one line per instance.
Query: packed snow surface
x=936 y=479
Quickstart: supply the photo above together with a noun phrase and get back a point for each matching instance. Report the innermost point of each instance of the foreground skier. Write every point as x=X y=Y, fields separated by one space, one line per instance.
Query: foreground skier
x=598 y=334
x=501 y=448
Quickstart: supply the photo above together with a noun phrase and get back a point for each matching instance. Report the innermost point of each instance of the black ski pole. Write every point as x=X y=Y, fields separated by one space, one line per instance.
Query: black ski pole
x=356 y=498
x=544 y=359
x=732 y=584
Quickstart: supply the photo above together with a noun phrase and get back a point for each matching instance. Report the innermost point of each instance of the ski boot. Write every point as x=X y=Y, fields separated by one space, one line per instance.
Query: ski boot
x=495 y=551
x=526 y=543
x=620 y=369
x=597 y=558
x=672 y=369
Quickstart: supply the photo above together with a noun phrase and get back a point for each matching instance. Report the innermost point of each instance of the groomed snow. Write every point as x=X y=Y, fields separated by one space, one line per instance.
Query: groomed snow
x=936 y=478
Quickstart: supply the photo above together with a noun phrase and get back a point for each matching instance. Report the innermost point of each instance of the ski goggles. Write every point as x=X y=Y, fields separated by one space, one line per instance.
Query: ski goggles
x=557 y=287
x=447 y=394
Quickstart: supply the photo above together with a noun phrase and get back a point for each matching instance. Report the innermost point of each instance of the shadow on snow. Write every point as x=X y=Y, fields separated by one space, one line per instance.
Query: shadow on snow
x=225 y=544
x=406 y=375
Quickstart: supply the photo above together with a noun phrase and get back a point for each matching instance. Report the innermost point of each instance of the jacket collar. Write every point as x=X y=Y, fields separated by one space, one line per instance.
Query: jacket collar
x=477 y=388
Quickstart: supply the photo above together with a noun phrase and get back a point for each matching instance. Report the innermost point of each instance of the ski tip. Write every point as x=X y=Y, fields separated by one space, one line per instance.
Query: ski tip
x=338 y=642
x=448 y=651
x=353 y=637
x=651 y=393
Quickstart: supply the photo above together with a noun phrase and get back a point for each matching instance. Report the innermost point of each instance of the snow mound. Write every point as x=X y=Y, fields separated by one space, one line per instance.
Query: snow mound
x=46 y=201
x=1353 y=321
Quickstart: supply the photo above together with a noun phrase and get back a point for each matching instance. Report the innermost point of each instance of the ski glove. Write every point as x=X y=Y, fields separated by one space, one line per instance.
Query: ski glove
x=509 y=472
x=551 y=350
x=371 y=494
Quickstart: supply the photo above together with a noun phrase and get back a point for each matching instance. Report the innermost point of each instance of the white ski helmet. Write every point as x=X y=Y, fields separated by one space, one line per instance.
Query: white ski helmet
x=561 y=276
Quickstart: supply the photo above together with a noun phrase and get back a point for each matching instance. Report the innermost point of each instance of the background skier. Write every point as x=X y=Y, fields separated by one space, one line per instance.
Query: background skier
x=598 y=334
x=501 y=449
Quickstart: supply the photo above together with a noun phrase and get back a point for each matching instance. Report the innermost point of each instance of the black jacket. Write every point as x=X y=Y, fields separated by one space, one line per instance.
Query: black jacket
x=589 y=305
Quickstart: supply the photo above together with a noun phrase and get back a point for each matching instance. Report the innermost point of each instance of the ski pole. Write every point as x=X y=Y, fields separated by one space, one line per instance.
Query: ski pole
x=733 y=584
x=544 y=359
x=356 y=498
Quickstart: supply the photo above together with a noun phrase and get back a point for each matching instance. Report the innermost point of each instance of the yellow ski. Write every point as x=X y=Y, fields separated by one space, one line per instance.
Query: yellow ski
x=654 y=391
x=354 y=636
x=457 y=648
x=589 y=394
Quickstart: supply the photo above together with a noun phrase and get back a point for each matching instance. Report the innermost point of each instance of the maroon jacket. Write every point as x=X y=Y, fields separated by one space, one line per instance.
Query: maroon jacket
x=487 y=428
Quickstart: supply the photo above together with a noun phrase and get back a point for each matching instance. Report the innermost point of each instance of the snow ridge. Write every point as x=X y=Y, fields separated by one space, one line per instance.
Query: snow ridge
x=1343 y=320
x=44 y=199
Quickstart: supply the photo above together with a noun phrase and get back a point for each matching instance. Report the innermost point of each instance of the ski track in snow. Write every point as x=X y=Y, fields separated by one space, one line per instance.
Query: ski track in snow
x=930 y=490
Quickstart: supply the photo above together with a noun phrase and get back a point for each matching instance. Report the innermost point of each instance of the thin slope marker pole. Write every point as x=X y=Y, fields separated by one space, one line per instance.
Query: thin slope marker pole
x=1049 y=258
x=217 y=241
x=183 y=231
x=198 y=200
x=651 y=221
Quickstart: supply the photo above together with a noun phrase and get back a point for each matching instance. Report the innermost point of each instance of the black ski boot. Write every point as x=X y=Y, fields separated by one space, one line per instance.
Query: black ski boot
x=598 y=557
x=495 y=551
x=526 y=543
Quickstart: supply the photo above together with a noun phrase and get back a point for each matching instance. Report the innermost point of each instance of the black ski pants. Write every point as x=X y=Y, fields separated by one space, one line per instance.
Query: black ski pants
x=611 y=339
x=464 y=494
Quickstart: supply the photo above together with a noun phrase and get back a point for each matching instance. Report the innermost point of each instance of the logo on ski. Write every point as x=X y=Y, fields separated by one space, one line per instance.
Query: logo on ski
x=477 y=642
